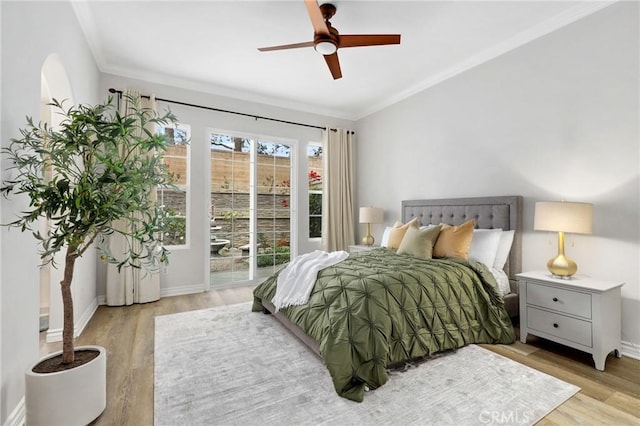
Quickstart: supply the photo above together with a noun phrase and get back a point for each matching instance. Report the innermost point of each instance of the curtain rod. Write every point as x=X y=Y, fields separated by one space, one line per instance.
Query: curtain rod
x=119 y=92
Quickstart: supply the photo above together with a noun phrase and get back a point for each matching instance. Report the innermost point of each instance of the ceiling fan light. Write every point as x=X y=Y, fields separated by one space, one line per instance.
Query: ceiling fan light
x=326 y=48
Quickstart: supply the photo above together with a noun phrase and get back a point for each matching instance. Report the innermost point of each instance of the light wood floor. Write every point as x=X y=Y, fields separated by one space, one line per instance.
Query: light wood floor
x=611 y=397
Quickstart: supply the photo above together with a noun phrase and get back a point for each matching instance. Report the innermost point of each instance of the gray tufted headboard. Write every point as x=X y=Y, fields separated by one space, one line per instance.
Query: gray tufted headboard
x=488 y=212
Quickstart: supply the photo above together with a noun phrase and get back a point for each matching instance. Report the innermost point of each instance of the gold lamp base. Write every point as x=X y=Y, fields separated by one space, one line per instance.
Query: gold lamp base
x=561 y=266
x=368 y=239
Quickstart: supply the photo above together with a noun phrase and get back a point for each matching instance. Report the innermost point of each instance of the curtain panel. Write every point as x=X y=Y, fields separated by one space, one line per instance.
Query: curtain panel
x=338 y=192
x=130 y=285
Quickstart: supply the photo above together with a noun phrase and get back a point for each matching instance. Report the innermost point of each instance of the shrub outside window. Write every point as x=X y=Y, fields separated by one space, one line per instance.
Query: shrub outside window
x=315 y=174
x=174 y=199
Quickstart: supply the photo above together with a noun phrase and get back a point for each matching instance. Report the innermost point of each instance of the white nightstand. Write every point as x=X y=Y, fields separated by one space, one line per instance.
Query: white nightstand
x=361 y=247
x=581 y=312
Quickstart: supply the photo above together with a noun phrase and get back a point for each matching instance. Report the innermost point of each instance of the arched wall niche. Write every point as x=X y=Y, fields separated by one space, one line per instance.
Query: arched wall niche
x=54 y=84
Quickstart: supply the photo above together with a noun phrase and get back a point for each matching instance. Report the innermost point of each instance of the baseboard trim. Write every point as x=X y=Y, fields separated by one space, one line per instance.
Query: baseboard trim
x=179 y=291
x=631 y=350
x=86 y=317
x=44 y=322
x=167 y=292
x=55 y=335
x=17 y=416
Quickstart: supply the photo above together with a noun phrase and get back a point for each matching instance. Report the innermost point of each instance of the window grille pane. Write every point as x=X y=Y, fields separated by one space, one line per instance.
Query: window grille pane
x=315 y=184
x=174 y=199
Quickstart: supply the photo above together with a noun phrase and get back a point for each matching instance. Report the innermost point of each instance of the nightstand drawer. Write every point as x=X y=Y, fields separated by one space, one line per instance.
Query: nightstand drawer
x=557 y=299
x=567 y=328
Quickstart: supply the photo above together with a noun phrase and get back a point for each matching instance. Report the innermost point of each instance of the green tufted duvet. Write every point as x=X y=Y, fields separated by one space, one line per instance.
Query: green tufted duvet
x=377 y=308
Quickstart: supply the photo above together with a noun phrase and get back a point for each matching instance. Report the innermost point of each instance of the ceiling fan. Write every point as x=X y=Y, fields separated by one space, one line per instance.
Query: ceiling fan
x=327 y=40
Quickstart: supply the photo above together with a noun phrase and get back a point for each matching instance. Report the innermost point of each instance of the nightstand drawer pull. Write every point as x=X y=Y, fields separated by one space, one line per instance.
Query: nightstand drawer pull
x=555 y=325
x=555 y=299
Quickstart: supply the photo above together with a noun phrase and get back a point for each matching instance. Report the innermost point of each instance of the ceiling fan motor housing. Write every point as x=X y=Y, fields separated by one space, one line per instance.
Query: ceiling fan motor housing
x=333 y=38
x=328 y=10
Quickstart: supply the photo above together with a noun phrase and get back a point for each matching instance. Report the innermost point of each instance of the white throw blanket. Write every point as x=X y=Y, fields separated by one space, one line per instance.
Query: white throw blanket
x=296 y=280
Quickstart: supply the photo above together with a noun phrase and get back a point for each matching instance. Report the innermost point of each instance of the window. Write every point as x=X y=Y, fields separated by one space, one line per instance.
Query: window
x=273 y=180
x=315 y=173
x=174 y=199
x=252 y=212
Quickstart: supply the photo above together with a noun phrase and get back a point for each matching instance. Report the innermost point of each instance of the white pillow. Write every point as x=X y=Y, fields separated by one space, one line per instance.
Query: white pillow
x=506 y=239
x=384 y=241
x=502 y=280
x=484 y=245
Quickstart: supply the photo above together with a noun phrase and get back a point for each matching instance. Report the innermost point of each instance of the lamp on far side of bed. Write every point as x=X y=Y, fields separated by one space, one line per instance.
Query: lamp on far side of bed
x=370 y=215
x=561 y=217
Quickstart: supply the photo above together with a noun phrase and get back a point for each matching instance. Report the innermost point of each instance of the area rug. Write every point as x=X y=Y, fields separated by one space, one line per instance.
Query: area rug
x=230 y=366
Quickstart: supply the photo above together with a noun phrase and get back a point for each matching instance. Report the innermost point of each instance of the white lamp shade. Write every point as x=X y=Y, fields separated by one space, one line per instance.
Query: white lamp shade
x=371 y=215
x=561 y=216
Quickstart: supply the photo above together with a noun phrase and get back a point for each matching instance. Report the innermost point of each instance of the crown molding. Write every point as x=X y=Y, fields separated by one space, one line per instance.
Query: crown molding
x=548 y=26
x=86 y=22
x=225 y=91
x=581 y=10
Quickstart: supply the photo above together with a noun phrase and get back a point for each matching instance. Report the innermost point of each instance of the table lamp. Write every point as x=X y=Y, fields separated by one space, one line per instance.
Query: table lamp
x=370 y=215
x=561 y=217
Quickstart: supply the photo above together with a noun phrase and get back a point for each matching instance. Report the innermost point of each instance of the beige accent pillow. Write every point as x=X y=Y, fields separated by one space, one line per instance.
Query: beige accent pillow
x=454 y=241
x=397 y=232
x=419 y=242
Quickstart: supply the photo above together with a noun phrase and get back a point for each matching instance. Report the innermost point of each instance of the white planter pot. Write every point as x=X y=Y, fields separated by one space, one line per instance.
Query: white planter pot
x=71 y=397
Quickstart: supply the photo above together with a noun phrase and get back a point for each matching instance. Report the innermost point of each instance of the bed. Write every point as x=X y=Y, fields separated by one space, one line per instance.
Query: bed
x=378 y=309
x=489 y=213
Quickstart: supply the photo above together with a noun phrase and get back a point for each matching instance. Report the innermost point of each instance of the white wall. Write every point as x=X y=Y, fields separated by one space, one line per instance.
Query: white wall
x=31 y=31
x=1 y=216
x=554 y=119
x=186 y=270
x=557 y=118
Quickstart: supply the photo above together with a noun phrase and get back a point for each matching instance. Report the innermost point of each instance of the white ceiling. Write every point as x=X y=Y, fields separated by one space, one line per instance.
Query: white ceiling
x=211 y=46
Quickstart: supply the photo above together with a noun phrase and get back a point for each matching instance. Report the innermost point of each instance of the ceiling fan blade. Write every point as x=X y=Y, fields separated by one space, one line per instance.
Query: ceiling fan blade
x=334 y=65
x=286 y=46
x=357 y=40
x=317 y=20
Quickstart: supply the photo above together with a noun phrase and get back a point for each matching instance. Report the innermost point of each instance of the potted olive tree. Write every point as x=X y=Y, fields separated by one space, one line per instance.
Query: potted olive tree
x=92 y=177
